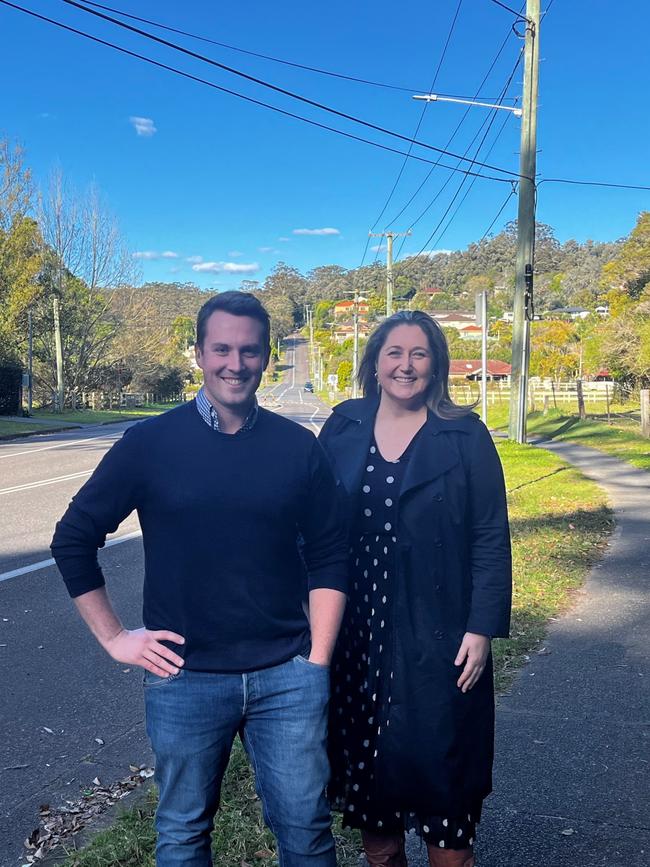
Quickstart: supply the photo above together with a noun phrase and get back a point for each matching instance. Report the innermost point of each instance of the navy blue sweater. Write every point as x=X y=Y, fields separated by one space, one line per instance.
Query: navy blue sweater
x=220 y=517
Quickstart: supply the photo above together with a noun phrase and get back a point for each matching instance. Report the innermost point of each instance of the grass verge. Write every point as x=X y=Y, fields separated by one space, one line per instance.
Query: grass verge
x=103 y=416
x=559 y=522
x=621 y=438
x=10 y=429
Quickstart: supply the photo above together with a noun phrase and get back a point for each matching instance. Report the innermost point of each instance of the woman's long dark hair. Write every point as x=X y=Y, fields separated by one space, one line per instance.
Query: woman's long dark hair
x=438 y=398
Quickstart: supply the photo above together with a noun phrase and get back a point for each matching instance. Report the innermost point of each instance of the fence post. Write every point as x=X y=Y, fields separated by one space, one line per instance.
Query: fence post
x=609 y=421
x=645 y=412
x=553 y=390
x=581 y=400
x=546 y=404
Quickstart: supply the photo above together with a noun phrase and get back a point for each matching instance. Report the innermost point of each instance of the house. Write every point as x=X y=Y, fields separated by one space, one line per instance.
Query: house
x=431 y=290
x=341 y=333
x=346 y=308
x=568 y=313
x=470 y=332
x=453 y=318
x=602 y=310
x=473 y=368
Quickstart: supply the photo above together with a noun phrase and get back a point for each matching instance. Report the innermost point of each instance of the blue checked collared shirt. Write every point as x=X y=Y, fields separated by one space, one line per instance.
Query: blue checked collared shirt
x=209 y=414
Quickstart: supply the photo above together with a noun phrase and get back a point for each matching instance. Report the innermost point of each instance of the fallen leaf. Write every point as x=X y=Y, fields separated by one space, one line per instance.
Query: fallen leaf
x=99 y=741
x=567 y=832
x=49 y=731
x=15 y=767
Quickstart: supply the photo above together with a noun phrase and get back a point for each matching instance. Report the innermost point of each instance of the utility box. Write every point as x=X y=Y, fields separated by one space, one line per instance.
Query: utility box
x=11 y=378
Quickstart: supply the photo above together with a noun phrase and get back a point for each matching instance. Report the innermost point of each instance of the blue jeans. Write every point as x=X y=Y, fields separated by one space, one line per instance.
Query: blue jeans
x=281 y=716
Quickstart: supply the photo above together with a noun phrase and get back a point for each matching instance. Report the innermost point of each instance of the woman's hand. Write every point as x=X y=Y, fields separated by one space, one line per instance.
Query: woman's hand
x=473 y=651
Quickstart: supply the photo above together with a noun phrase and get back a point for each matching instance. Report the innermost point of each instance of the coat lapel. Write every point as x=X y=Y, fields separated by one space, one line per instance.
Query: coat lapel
x=433 y=454
x=351 y=450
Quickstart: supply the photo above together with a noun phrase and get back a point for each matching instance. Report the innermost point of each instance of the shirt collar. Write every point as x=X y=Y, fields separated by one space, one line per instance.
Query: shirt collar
x=209 y=414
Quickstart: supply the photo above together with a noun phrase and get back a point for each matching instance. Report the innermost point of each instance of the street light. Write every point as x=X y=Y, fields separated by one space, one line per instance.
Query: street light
x=434 y=97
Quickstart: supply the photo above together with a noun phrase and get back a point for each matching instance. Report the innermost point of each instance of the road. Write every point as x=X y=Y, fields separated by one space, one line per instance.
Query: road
x=69 y=713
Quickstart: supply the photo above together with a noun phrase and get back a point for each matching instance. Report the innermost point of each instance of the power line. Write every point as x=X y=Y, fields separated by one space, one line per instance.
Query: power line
x=467 y=110
x=270 y=86
x=513 y=11
x=498 y=214
x=419 y=124
x=592 y=184
x=230 y=92
x=460 y=186
x=272 y=59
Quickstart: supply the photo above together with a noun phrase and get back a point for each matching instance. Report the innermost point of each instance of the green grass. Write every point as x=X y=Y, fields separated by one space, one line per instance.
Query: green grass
x=103 y=416
x=240 y=836
x=620 y=438
x=560 y=522
x=19 y=428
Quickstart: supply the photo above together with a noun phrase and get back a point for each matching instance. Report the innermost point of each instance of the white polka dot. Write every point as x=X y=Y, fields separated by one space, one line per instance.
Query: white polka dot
x=365 y=573
x=355 y=787
x=365 y=598
x=366 y=743
x=383 y=599
x=372 y=450
x=380 y=824
x=364 y=817
x=351 y=808
x=389 y=502
x=471 y=841
x=459 y=833
x=368 y=548
x=385 y=552
x=387 y=526
x=369 y=468
x=374 y=696
x=385 y=574
x=372 y=612
x=469 y=817
x=374 y=586
x=441 y=844
x=361 y=765
x=381 y=647
x=390 y=479
x=394 y=538
x=366 y=489
x=375 y=562
x=425 y=828
x=382 y=623
x=445 y=822
x=375 y=754
x=367 y=512
x=371 y=720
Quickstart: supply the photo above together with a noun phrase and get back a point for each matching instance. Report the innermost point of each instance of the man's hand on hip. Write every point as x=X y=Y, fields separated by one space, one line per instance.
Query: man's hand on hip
x=143 y=647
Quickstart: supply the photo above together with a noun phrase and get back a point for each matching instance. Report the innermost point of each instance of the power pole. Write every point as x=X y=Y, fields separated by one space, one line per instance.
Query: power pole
x=355 y=343
x=60 y=391
x=389 y=263
x=30 y=362
x=523 y=302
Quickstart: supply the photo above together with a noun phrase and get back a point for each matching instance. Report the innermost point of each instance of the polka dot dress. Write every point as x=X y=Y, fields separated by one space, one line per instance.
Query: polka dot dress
x=362 y=673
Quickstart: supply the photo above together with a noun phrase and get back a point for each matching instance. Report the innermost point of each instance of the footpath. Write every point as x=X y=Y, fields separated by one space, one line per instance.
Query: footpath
x=572 y=773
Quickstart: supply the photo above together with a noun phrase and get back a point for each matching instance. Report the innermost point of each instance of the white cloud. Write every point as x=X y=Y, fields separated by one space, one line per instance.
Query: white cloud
x=431 y=253
x=284 y=239
x=146 y=254
x=326 y=231
x=235 y=254
x=226 y=267
x=175 y=270
x=169 y=254
x=378 y=248
x=265 y=249
x=143 y=126
x=194 y=260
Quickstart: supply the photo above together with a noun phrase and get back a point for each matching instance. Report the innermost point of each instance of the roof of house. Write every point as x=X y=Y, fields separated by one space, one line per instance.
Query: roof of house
x=465 y=366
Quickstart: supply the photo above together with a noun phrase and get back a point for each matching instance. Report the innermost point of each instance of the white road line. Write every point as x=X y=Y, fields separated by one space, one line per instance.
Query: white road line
x=61 y=445
x=43 y=482
x=45 y=564
x=311 y=419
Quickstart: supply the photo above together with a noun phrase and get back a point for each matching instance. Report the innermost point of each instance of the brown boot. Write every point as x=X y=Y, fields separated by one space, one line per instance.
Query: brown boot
x=384 y=851
x=450 y=857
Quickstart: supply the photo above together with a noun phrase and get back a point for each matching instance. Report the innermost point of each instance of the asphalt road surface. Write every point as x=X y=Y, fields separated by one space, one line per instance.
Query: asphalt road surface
x=68 y=713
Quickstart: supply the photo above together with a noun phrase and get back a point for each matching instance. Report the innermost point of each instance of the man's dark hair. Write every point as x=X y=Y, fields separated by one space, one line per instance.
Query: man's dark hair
x=237 y=304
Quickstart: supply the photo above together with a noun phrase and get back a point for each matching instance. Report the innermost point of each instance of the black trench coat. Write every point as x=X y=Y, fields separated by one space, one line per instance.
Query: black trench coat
x=453 y=575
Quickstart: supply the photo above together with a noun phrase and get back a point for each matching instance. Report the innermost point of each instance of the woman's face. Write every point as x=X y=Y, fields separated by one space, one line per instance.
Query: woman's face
x=405 y=365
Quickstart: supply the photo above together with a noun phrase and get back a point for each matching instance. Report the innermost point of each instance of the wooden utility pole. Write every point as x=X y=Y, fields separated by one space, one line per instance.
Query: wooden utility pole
x=58 y=348
x=522 y=308
x=355 y=343
x=389 y=263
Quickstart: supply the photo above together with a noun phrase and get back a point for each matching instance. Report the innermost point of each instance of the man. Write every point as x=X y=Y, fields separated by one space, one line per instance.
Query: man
x=223 y=489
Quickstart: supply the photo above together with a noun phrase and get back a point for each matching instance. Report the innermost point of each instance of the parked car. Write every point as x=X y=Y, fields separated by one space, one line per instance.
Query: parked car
x=309 y=386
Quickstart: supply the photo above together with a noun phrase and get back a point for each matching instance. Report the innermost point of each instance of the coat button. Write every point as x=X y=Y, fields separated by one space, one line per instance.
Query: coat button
x=438 y=498
x=438 y=587
x=438 y=543
x=438 y=633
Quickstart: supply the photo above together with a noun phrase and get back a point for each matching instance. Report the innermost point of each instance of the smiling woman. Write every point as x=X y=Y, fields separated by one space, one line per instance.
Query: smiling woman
x=431 y=585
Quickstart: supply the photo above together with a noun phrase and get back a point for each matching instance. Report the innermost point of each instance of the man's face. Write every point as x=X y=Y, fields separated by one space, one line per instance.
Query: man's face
x=233 y=358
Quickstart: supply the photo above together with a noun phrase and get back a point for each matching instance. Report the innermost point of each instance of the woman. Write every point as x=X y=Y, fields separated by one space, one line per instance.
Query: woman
x=412 y=710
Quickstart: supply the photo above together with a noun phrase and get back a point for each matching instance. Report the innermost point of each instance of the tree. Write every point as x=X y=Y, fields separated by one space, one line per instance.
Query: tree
x=20 y=252
x=626 y=279
x=86 y=261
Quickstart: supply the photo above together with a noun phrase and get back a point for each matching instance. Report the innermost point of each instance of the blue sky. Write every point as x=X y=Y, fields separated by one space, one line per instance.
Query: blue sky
x=212 y=189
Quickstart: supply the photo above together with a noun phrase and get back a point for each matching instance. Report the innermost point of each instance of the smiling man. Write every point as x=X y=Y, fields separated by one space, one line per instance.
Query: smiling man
x=224 y=490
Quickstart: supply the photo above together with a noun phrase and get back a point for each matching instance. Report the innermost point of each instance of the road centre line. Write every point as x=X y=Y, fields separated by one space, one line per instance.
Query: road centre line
x=45 y=564
x=43 y=482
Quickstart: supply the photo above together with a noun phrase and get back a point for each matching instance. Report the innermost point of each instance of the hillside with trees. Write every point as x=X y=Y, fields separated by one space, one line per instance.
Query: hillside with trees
x=118 y=333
